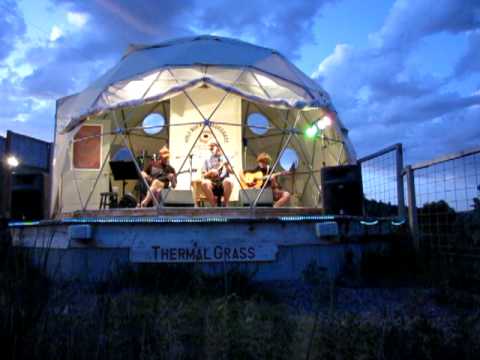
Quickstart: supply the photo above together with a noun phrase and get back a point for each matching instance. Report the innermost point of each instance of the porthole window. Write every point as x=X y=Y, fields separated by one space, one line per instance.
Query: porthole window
x=258 y=123
x=153 y=123
x=289 y=159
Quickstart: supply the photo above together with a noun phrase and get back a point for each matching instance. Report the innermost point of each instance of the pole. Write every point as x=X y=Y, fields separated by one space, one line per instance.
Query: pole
x=400 y=188
x=412 y=207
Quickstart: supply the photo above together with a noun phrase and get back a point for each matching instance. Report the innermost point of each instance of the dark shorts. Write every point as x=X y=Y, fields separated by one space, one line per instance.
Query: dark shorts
x=217 y=189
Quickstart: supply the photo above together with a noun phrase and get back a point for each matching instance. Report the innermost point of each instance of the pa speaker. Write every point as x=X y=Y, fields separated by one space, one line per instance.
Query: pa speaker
x=177 y=197
x=247 y=197
x=342 y=190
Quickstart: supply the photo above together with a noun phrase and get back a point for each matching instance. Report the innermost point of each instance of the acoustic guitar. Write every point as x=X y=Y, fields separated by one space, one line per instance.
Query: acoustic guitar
x=254 y=180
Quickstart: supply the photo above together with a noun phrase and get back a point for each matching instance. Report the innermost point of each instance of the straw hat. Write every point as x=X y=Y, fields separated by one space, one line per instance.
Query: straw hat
x=212 y=144
x=164 y=152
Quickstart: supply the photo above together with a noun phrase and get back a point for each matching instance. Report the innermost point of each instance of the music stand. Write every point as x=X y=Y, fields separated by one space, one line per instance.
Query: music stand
x=124 y=170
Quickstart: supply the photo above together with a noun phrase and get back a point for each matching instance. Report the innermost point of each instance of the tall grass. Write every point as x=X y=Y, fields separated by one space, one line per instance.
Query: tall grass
x=178 y=313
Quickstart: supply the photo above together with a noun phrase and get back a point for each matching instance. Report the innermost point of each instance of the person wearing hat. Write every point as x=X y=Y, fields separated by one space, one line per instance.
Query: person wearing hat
x=280 y=196
x=159 y=174
x=216 y=181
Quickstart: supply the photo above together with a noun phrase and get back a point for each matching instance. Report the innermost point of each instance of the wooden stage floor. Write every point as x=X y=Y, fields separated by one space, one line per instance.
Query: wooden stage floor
x=191 y=212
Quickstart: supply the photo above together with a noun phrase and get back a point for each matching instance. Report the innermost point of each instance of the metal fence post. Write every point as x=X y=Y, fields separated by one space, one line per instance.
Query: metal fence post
x=400 y=189
x=412 y=207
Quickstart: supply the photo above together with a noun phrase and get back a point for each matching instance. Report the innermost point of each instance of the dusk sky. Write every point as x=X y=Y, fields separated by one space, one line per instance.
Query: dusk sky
x=397 y=71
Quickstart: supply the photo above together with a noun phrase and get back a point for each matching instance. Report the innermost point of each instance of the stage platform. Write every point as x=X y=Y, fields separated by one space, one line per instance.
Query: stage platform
x=266 y=243
x=260 y=213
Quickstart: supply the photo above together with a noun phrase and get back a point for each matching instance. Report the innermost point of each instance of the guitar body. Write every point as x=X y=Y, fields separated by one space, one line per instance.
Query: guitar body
x=252 y=180
x=222 y=174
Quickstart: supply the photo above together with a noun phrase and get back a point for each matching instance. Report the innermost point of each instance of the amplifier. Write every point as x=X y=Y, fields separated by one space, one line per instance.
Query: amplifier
x=342 y=190
x=177 y=198
x=247 y=197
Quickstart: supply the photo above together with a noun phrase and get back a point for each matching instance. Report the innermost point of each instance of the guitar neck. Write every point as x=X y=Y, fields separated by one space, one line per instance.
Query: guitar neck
x=280 y=173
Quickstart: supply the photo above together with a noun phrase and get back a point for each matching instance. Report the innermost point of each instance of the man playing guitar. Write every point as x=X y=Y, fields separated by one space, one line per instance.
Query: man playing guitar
x=159 y=174
x=264 y=160
x=216 y=181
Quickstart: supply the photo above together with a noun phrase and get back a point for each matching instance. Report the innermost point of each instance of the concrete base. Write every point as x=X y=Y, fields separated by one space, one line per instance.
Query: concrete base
x=98 y=265
x=265 y=251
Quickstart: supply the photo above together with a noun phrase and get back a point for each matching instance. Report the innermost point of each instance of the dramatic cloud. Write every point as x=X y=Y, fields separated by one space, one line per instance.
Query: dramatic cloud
x=284 y=26
x=380 y=95
x=470 y=62
x=409 y=21
x=12 y=27
x=77 y=59
x=77 y=19
x=56 y=33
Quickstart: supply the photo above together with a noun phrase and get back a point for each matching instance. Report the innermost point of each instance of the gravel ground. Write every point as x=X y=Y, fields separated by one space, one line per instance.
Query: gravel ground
x=380 y=302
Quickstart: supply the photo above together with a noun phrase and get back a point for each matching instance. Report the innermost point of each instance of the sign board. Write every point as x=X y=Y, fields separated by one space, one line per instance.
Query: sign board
x=153 y=252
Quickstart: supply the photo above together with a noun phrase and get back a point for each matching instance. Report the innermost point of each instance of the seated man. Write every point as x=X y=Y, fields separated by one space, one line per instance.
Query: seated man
x=264 y=160
x=159 y=175
x=216 y=181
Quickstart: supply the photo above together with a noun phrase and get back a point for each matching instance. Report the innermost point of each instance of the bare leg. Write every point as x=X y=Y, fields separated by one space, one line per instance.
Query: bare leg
x=155 y=189
x=207 y=190
x=281 y=198
x=227 y=191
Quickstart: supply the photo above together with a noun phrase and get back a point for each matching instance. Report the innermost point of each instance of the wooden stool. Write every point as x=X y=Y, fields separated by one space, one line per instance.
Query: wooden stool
x=109 y=199
x=198 y=194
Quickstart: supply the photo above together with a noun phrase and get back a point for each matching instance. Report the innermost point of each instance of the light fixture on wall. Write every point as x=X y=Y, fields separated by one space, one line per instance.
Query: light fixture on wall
x=12 y=161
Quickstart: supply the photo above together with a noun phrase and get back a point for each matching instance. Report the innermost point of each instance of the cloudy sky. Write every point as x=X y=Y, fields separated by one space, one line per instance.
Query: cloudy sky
x=397 y=70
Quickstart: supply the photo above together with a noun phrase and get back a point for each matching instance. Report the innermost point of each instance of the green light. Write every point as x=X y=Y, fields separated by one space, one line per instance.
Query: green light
x=311 y=131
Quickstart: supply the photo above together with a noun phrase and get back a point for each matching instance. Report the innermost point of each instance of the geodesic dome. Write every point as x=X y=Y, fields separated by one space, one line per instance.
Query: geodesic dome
x=248 y=98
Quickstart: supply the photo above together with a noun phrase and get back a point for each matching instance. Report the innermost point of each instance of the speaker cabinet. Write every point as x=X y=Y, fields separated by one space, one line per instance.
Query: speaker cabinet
x=27 y=197
x=247 y=197
x=342 y=190
x=180 y=198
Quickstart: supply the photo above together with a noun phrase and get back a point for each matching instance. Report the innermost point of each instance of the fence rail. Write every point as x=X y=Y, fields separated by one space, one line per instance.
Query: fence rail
x=382 y=182
x=443 y=198
x=444 y=211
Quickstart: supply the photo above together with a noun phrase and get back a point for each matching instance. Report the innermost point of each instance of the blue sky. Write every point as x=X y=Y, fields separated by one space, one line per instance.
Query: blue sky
x=397 y=70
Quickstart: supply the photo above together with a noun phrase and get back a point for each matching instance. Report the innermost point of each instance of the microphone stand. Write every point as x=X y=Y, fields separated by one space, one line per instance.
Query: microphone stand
x=190 y=159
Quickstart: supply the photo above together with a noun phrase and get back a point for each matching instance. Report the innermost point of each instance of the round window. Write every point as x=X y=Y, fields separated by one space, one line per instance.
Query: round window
x=289 y=159
x=258 y=123
x=153 y=123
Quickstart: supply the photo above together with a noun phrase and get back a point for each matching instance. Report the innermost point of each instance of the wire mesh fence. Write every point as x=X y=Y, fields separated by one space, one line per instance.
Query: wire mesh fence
x=382 y=182
x=447 y=197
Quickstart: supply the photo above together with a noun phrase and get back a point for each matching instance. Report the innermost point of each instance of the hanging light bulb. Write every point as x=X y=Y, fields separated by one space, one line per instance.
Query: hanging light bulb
x=324 y=122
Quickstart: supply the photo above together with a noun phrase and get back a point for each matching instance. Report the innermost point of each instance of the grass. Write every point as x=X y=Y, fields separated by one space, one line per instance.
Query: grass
x=174 y=312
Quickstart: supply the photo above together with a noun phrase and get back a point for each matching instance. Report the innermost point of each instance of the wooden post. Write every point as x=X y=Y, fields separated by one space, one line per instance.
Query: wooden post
x=400 y=188
x=412 y=207
x=7 y=180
